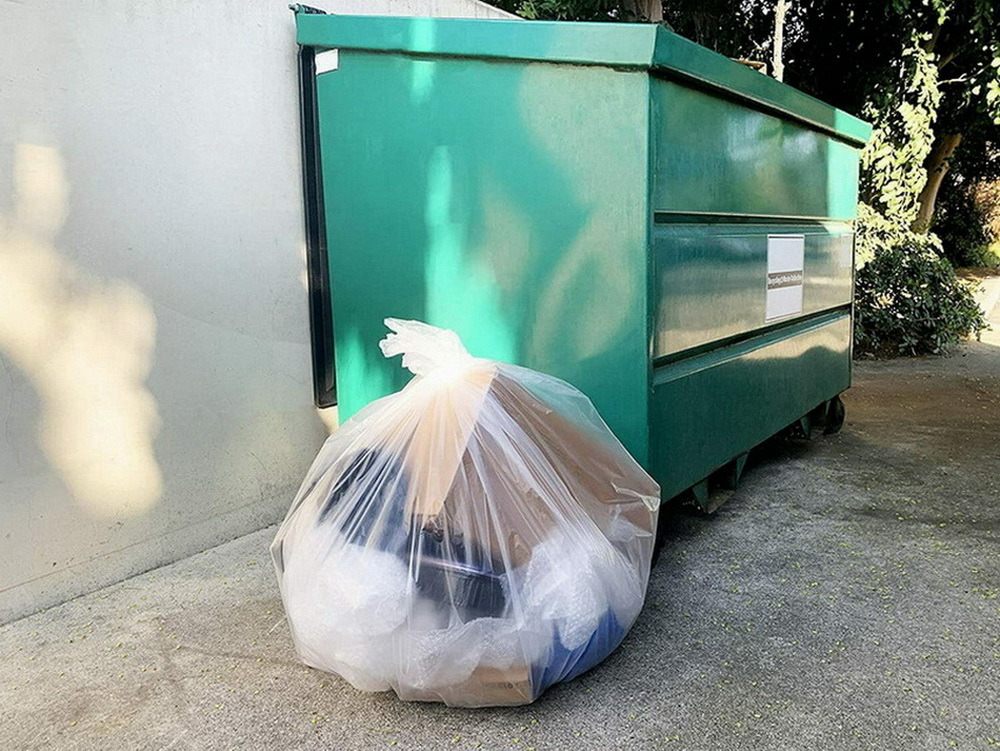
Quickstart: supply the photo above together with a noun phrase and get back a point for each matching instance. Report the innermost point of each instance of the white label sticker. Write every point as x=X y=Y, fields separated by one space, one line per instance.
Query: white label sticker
x=846 y=246
x=327 y=60
x=785 y=274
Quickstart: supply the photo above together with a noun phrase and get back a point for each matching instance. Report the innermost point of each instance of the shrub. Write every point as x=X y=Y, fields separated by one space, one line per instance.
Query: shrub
x=908 y=301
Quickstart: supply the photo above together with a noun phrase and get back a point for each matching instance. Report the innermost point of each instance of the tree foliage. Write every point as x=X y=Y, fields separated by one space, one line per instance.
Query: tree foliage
x=901 y=107
x=569 y=10
x=968 y=222
x=736 y=28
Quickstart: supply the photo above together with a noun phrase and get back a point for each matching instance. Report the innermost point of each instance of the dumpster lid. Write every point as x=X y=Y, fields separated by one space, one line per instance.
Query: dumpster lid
x=617 y=45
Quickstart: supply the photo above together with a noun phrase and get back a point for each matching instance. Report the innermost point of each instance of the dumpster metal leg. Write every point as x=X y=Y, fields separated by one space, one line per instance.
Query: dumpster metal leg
x=699 y=491
x=729 y=476
x=803 y=427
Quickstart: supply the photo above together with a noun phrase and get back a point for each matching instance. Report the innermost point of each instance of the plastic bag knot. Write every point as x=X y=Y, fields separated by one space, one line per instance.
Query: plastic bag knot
x=424 y=347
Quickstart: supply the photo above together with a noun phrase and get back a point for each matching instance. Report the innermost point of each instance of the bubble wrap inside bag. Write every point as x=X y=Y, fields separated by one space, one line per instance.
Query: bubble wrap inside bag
x=471 y=539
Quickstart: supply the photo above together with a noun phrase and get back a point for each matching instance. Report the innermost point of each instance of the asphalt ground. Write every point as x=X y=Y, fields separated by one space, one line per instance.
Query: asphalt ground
x=847 y=597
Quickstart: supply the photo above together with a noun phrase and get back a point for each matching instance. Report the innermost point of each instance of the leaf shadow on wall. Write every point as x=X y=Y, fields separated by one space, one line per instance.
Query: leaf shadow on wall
x=85 y=345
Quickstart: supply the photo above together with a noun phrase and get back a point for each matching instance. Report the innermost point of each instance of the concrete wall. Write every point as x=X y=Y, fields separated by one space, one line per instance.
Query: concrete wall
x=155 y=387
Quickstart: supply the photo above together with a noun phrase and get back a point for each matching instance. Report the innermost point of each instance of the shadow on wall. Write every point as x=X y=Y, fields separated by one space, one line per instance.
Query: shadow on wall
x=85 y=345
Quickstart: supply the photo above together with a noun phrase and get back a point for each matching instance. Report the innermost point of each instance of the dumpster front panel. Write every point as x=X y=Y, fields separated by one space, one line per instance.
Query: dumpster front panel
x=504 y=200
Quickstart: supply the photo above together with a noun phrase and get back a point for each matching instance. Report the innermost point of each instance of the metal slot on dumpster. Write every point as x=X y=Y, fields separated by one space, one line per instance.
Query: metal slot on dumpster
x=668 y=230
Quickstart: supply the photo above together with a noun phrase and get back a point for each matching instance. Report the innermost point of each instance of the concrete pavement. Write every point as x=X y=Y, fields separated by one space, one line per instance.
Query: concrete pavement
x=848 y=597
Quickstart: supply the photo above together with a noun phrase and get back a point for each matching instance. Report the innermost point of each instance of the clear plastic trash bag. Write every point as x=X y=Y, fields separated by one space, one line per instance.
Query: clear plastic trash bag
x=471 y=539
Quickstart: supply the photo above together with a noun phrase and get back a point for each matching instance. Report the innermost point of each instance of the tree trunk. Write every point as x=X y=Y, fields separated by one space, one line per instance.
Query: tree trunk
x=651 y=10
x=937 y=164
x=777 y=66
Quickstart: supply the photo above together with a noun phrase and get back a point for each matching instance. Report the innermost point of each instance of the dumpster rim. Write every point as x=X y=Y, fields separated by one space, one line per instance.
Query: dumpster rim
x=628 y=46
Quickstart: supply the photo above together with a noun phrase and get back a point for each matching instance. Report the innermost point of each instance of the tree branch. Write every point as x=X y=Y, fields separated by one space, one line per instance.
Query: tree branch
x=931 y=43
x=946 y=59
x=937 y=164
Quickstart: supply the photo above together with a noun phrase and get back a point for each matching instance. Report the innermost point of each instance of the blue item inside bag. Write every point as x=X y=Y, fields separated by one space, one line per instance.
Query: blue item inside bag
x=565 y=664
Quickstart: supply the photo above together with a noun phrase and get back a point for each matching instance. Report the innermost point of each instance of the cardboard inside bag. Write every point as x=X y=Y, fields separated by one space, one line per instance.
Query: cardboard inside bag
x=487 y=687
x=440 y=437
x=493 y=503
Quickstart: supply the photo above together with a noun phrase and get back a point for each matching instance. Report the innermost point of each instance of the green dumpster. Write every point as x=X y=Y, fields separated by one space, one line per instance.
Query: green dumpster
x=668 y=230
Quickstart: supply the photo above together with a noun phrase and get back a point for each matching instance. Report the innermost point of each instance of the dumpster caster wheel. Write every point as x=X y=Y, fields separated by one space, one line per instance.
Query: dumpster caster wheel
x=834 y=416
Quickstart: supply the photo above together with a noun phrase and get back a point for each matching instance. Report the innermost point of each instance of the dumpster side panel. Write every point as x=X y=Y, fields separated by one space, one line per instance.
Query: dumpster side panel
x=752 y=252
x=714 y=406
x=715 y=156
x=506 y=201
x=712 y=277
